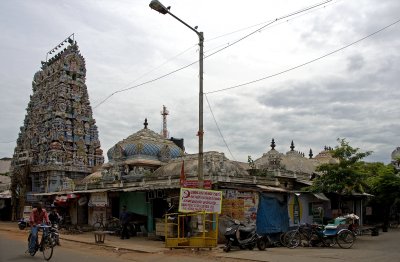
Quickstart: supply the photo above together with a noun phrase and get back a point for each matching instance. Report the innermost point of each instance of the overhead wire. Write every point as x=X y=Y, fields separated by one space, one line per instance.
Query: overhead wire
x=219 y=50
x=305 y=63
x=141 y=76
x=7 y=142
x=258 y=30
x=262 y=23
x=219 y=130
x=290 y=69
x=188 y=65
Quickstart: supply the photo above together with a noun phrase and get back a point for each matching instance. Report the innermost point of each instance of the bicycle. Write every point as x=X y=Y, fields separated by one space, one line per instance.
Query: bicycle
x=316 y=236
x=46 y=244
x=112 y=224
x=98 y=225
x=294 y=238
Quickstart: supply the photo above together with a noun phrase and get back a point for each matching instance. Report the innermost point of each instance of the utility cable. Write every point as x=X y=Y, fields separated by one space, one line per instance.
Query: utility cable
x=306 y=63
x=219 y=130
x=144 y=83
x=7 y=142
x=243 y=29
x=125 y=89
x=269 y=23
x=219 y=50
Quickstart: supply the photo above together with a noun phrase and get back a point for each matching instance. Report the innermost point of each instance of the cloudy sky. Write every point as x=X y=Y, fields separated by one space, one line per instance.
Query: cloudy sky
x=353 y=93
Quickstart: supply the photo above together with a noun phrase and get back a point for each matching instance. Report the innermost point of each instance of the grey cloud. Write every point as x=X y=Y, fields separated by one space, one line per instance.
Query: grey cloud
x=356 y=62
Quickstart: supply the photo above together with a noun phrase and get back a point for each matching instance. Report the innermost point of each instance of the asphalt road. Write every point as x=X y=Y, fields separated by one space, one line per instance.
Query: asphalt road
x=14 y=244
x=382 y=248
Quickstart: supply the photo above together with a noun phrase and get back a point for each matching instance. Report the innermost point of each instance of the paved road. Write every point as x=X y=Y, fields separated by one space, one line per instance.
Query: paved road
x=13 y=247
x=382 y=248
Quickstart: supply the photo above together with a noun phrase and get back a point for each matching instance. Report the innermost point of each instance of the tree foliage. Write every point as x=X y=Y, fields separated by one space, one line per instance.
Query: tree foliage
x=344 y=176
x=385 y=185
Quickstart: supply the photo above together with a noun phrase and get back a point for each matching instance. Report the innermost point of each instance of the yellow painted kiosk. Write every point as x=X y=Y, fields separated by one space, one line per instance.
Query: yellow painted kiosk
x=196 y=226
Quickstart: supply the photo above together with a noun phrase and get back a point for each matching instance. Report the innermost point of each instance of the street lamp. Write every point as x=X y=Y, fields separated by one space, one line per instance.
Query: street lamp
x=156 y=5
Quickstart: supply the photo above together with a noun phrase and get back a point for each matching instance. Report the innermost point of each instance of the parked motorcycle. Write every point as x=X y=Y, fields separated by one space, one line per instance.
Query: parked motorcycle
x=243 y=237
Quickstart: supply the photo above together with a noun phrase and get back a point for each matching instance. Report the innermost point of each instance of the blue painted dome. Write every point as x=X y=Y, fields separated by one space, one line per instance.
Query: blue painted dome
x=145 y=144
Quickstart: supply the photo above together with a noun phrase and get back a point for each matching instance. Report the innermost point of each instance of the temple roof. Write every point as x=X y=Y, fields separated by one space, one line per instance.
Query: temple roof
x=215 y=164
x=144 y=144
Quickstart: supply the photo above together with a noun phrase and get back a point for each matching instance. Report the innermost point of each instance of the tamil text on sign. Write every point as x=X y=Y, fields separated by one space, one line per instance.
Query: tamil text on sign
x=194 y=200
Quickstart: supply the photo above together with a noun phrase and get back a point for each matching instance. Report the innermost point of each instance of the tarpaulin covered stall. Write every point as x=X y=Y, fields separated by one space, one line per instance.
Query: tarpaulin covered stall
x=272 y=215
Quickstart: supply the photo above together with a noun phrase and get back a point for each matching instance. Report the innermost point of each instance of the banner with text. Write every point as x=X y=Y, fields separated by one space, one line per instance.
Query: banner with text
x=193 y=200
x=207 y=184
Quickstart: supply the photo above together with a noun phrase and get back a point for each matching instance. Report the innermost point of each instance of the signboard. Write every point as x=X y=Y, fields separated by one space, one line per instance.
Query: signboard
x=195 y=184
x=241 y=205
x=98 y=199
x=27 y=212
x=193 y=200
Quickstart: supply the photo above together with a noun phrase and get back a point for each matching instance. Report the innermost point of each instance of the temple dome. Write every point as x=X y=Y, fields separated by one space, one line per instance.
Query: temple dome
x=396 y=154
x=145 y=144
x=214 y=164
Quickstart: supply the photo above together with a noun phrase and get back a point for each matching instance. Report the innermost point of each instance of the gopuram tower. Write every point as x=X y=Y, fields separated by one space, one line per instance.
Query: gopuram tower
x=58 y=142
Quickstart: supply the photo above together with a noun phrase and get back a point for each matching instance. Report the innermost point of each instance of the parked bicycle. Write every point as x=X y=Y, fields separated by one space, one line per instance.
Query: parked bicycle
x=301 y=236
x=45 y=245
x=112 y=224
x=315 y=235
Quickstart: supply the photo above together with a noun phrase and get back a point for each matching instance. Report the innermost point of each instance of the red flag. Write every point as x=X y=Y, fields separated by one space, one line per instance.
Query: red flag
x=182 y=177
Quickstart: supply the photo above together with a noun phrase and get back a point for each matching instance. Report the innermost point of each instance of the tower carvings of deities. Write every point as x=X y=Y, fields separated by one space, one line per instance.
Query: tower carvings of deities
x=59 y=139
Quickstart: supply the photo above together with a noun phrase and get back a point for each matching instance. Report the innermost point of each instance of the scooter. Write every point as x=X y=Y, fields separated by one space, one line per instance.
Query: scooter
x=243 y=237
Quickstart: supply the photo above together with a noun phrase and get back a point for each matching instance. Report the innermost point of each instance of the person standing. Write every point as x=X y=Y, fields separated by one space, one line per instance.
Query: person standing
x=37 y=217
x=124 y=220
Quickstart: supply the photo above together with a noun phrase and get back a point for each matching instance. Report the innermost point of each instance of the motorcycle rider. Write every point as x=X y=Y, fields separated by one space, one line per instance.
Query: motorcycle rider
x=37 y=217
x=55 y=218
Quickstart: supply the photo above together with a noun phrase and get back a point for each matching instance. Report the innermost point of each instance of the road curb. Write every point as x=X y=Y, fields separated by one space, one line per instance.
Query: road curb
x=105 y=245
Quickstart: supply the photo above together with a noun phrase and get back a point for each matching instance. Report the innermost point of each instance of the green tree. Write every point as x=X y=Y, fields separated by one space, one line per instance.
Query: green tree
x=384 y=184
x=344 y=176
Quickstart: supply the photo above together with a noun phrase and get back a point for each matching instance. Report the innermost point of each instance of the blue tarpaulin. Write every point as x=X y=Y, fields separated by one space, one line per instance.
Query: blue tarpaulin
x=272 y=215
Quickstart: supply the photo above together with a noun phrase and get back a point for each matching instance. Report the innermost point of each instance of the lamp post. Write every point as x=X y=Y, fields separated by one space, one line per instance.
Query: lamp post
x=157 y=6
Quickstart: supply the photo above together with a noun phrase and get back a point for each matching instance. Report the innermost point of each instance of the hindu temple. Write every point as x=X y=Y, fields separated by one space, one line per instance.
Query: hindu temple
x=59 y=139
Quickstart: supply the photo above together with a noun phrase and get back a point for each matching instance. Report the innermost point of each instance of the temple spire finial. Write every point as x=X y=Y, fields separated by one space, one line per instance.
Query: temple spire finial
x=145 y=123
x=292 y=146
x=273 y=144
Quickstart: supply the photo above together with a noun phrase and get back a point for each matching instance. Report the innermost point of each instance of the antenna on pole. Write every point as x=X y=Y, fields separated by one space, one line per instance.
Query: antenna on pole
x=164 y=113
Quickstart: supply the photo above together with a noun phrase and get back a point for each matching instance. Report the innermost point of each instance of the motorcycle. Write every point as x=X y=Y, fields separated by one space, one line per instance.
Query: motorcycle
x=23 y=223
x=54 y=235
x=243 y=237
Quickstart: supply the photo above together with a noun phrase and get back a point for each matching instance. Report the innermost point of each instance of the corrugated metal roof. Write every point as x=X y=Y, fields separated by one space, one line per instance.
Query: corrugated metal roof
x=272 y=189
x=95 y=190
x=321 y=196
